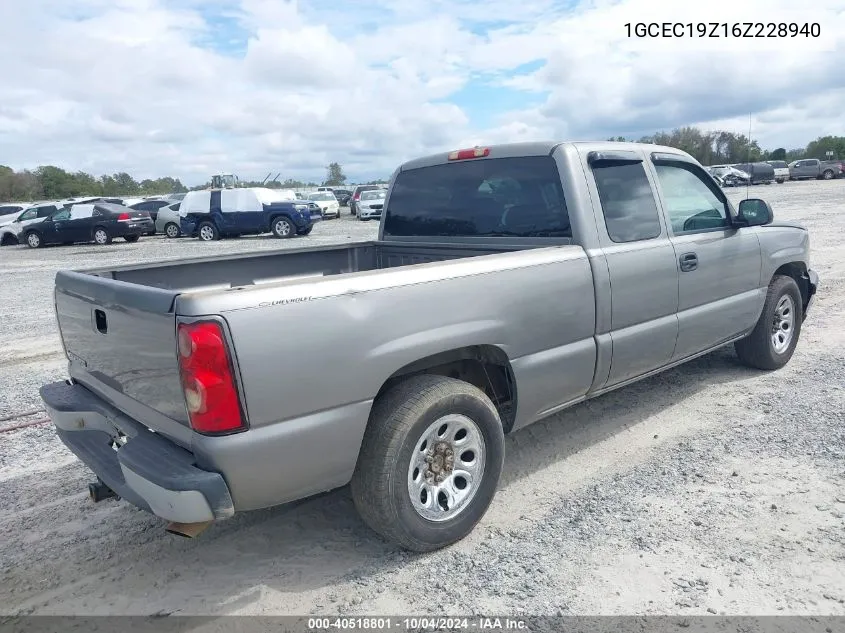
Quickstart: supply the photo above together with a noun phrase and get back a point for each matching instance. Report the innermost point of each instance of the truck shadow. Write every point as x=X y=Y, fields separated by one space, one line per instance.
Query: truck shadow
x=310 y=545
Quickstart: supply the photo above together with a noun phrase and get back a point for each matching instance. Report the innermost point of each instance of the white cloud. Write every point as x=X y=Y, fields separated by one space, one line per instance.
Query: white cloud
x=289 y=86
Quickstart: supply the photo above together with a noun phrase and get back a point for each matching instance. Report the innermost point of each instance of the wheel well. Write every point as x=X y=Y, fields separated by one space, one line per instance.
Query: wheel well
x=8 y=240
x=485 y=366
x=798 y=271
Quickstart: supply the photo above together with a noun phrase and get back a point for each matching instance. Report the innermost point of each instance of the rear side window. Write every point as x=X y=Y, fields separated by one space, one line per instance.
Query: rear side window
x=627 y=202
x=519 y=197
x=9 y=209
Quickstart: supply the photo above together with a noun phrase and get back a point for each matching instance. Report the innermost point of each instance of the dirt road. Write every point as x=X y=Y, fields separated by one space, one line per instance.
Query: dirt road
x=710 y=488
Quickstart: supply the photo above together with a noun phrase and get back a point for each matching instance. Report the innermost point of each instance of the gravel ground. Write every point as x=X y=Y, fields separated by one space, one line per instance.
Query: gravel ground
x=709 y=488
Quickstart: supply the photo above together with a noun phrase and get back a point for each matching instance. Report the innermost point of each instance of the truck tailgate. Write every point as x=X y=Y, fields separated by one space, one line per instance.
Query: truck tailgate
x=120 y=339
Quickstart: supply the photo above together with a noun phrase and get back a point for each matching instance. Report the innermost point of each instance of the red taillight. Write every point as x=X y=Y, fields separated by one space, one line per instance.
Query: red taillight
x=475 y=152
x=123 y=217
x=356 y=196
x=207 y=379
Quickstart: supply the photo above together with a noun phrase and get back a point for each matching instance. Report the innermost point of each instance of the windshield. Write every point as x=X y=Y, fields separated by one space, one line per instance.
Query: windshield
x=373 y=195
x=323 y=195
x=519 y=197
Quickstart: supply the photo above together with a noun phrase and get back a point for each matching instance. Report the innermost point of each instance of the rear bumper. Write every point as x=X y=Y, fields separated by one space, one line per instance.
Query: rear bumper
x=148 y=470
x=133 y=228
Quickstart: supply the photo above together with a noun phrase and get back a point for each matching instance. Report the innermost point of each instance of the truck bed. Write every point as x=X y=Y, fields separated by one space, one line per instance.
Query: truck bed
x=248 y=269
x=118 y=326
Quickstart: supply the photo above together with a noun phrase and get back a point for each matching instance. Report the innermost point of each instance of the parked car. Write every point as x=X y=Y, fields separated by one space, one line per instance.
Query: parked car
x=212 y=214
x=100 y=223
x=728 y=176
x=781 y=170
x=328 y=204
x=808 y=168
x=150 y=206
x=356 y=195
x=325 y=188
x=10 y=232
x=370 y=204
x=508 y=283
x=761 y=173
x=343 y=196
x=8 y=212
x=168 y=220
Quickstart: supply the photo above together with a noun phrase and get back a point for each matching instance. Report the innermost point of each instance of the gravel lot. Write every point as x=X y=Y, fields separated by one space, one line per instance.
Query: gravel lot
x=709 y=488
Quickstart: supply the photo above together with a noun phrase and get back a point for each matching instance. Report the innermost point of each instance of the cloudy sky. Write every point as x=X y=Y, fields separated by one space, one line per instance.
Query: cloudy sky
x=194 y=87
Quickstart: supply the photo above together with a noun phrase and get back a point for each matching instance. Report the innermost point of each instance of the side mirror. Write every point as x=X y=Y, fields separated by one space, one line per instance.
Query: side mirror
x=754 y=212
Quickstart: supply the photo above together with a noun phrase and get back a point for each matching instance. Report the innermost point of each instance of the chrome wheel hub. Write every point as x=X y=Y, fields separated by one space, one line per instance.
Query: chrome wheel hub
x=783 y=324
x=207 y=233
x=100 y=237
x=283 y=227
x=446 y=468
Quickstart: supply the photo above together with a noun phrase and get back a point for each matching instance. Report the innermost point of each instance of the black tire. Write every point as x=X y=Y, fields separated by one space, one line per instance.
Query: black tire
x=131 y=238
x=283 y=227
x=380 y=484
x=306 y=231
x=210 y=234
x=172 y=230
x=758 y=349
x=101 y=236
x=33 y=239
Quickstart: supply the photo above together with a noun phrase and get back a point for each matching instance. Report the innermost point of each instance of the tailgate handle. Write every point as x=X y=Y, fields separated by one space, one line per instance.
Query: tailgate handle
x=100 y=321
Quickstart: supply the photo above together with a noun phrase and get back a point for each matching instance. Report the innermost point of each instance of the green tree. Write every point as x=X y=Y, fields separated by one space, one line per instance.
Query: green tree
x=824 y=144
x=334 y=175
x=778 y=154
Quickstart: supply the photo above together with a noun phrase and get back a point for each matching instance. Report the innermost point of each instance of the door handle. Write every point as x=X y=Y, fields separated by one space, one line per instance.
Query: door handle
x=689 y=261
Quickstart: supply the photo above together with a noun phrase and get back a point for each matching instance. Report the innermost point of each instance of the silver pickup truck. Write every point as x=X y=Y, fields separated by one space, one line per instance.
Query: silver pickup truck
x=507 y=283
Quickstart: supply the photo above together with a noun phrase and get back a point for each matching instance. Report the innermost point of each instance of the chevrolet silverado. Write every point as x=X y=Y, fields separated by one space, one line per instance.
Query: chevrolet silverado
x=506 y=284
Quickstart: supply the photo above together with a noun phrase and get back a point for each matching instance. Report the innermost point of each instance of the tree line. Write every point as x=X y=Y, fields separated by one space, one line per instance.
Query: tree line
x=717 y=147
x=711 y=147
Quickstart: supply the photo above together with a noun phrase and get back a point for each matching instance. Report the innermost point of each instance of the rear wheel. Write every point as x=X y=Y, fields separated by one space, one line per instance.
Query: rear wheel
x=283 y=227
x=772 y=342
x=429 y=463
x=171 y=230
x=131 y=238
x=207 y=232
x=33 y=240
x=101 y=236
x=828 y=174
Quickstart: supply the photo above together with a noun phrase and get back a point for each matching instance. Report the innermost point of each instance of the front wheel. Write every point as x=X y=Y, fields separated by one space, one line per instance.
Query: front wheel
x=131 y=238
x=207 y=232
x=101 y=236
x=283 y=227
x=429 y=463
x=33 y=240
x=772 y=342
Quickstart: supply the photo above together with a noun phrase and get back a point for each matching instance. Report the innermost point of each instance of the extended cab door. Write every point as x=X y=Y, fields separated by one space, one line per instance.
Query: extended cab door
x=719 y=293
x=641 y=265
